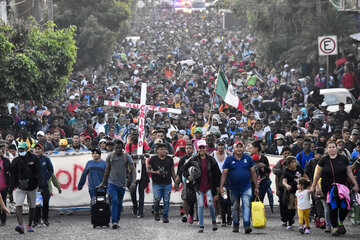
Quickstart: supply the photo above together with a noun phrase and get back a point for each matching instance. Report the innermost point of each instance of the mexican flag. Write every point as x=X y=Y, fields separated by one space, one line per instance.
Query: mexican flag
x=227 y=92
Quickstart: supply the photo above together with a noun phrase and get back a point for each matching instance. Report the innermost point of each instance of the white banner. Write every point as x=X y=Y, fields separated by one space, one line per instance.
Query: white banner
x=68 y=170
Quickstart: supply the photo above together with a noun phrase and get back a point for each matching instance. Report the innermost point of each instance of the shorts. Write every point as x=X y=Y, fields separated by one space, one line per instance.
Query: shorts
x=21 y=194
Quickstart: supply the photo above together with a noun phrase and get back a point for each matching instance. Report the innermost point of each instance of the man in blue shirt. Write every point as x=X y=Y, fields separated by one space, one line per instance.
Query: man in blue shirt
x=305 y=155
x=240 y=169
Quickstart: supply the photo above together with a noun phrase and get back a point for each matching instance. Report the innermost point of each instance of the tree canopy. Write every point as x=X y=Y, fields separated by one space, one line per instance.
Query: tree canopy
x=100 y=24
x=288 y=30
x=35 y=61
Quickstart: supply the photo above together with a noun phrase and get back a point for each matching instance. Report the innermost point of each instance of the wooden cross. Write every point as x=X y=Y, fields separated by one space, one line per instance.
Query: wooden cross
x=143 y=107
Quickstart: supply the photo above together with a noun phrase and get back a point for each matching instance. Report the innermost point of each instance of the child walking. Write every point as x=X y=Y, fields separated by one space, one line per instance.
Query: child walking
x=303 y=204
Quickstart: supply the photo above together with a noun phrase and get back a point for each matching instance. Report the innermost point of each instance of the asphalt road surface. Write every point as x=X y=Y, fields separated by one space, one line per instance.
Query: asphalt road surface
x=78 y=227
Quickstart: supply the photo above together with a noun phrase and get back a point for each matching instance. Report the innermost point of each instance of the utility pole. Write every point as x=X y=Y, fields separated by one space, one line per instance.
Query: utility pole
x=50 y=8
x=3 y=13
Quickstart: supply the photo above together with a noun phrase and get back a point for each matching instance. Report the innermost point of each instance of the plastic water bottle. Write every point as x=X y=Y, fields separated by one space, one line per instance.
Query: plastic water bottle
x=225 y=196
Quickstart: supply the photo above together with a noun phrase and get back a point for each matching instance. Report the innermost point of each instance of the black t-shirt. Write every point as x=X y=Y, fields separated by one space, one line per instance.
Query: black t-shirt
x=340 y=164
x=350 y=146
x=291 y=176
x=164 y=165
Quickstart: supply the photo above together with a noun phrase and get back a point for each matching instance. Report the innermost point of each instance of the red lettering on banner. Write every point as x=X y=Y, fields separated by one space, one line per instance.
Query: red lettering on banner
x=141 y=135
x=142 y=108
x=117 y=104
x=152 y=107
x=135 y=105
x=76 y=167
x=128 y=105
x=142 y=115
x=64 y=186
x=141 y=143
x=110 y=103
x=163 y=109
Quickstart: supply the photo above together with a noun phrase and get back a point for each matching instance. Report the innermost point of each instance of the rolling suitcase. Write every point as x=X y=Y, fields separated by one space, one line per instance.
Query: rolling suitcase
x=100 y=209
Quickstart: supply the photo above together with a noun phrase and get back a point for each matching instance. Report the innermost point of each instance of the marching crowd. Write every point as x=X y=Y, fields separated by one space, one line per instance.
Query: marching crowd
x=222 y=150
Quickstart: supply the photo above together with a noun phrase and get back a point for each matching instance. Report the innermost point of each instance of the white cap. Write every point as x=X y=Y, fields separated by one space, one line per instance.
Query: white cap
x=201 y=143
x=286 y=65
x=72 y=97
x=41 y=133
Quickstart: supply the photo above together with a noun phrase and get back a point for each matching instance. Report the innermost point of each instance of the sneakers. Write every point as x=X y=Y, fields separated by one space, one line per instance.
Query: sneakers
x=20 y=229
x=335 y=232
x=307 y=231
x=29 y=229
x=214 y=226
x=229 y=220
x=289 y=228
x=201 y=230
x=140 y=215
x=236 y=229
x=317 y=223
x=165 y=220
x=342 y=230
x=284 y=224
x=301 y=230
x=134 y=210
x=223 y=224
x=184 y=219
x=218 y=219
x=157 y=216
x=115 y=226
x=248 y=230
x=190 y=219
x=328 y=230
x=322 y=225
x=35 y=224
x=46 y=223
x=3 y=223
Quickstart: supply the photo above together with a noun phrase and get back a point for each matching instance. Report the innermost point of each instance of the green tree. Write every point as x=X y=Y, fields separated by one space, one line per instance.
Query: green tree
x=100 y=24
x=288 y=29
x=35 y=62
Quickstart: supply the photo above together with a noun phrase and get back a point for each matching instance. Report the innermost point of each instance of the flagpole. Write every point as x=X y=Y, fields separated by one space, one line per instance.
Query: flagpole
x=212 y=103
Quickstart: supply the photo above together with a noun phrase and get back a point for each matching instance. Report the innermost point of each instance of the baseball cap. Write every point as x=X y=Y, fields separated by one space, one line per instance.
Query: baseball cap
x=321 y=69
x=201 y=143
x=158 y=141
x=279 y=136
x=182 y=132
x=63 y=142
x=355 y=131
x=198 y=130
x=2 y=142
x=102 y=140
x=41 y=133
x=87 y=137
x=22 y=145
x=38 y=145
x=97 y=150
x=239 y=142
x=31 y=111
x=99 y=110
x=232 y=119
x=220 y=141
x=72 y=97
x=182 y=143
x=286 y=65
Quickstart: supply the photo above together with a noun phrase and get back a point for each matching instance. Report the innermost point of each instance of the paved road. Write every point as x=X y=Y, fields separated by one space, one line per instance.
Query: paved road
x=78 y=227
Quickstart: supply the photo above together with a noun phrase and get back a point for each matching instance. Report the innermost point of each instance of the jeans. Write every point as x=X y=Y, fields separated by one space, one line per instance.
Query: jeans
x=141 y=197
x=162 y=191
x=43 y=212
x=117 y=194
x=245 y=196
x=210 y=203
x=326 y=213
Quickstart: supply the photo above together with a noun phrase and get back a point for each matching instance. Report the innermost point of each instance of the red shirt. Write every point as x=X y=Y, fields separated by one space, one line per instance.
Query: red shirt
x=134 y=148
x=180 y=154
x=349 y=79
x=204 y=181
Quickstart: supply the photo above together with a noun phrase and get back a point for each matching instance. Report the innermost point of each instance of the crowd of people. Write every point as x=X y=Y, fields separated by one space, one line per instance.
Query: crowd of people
x=222 y=150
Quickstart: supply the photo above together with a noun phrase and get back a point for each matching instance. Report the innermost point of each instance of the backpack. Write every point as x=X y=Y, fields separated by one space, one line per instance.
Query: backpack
x=127 y=166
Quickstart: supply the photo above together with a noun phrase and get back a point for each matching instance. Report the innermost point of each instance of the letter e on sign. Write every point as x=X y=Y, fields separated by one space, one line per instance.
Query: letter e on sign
x=327 y=45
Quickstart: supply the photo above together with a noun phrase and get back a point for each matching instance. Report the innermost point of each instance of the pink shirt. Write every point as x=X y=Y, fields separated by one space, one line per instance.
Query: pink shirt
x=2 y=176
